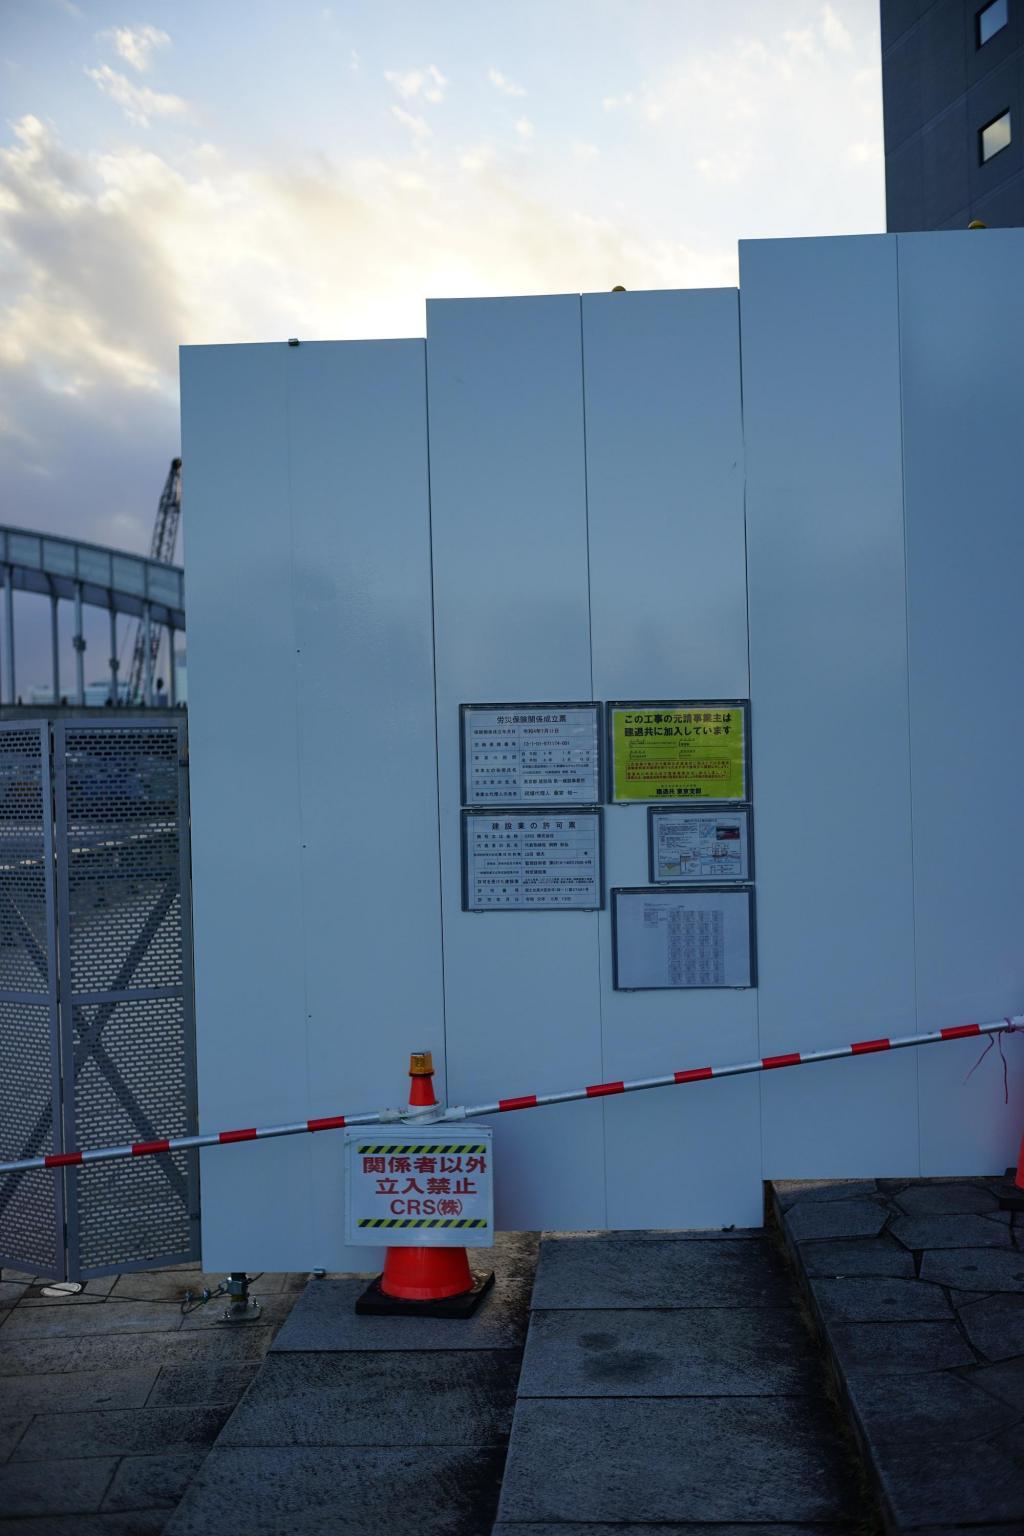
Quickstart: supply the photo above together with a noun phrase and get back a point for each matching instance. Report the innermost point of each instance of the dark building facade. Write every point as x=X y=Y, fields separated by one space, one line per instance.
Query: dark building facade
x=953 y=96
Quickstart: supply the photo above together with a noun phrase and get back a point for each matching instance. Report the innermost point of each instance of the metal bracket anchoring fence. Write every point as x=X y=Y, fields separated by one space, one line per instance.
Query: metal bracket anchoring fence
x=440 y=1114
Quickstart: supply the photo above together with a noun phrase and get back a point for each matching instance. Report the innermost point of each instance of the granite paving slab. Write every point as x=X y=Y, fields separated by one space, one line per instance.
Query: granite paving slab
x=180 y=1385
x=1004 y=1380
x=995 y=1326
x=879 y=1256
x=426 y=1398
x=788 y=1192
x=59 y=1392
x=890 y=1348
x=977 y=1269
x=116 y=1432
x=862 y=1299
x=139 y=1522
x=927 y=1199
x=115 y=1351
x=26 y=1355
x=671 y=1528
x=58 y=1486
x=12 y=1430
x=104 y=1316
x=324 y=1318
x=114 y=1403
x=339 y=1491
x=607 y=1459
x=148 y=1482
x=951 y=1231
x=981 y=1480
x=684 y=1353
x=938 y=1405
x=928 y=1408
x=628 y=1273
x=836 y=1218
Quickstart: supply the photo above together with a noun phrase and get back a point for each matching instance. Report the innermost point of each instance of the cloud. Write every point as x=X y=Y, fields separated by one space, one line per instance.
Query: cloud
x=418 y=126
x=865 y=152
x=835 y=32
x=582 y=150
x=138 y=103
x=411 y=83
x=136 y=45
x=525 y=128
x=504 y=84
x=613 y=103
x=769 y=107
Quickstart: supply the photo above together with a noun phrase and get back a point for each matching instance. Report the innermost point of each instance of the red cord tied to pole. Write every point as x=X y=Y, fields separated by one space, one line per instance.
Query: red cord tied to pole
x=1011 y=1029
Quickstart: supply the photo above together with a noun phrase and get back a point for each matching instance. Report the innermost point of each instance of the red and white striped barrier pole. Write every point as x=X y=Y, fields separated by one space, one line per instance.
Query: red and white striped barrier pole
x=524 y=1101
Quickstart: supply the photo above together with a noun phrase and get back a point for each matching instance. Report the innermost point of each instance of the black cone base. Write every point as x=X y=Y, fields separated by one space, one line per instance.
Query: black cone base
x=1010 y=1196
x=374 y=1303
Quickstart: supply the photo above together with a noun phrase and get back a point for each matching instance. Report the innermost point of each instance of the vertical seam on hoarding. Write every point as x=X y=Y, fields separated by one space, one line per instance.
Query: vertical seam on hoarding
x=749 y=766
x=437 y=738
x=296 y=673
x=590 y=650
x=910 y=715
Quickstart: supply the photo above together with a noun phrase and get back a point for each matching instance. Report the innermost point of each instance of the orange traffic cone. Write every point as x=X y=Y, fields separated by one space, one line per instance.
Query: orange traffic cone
x=1011 y=1194
x=432 y=1282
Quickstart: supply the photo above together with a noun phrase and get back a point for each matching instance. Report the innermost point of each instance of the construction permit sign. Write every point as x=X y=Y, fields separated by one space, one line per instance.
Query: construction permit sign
x=426 y=1186
x=680 y=750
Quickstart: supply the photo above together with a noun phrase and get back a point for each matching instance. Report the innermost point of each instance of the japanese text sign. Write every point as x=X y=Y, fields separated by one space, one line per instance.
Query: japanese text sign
x=529 y=754
x=682 y=750
x=422 y=1187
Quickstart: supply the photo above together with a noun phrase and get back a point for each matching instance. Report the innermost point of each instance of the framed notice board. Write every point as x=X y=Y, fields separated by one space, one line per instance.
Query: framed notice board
x=531 y=754
x=679 y=749
x=695 y=938
x=544 y=859
x=687 y=844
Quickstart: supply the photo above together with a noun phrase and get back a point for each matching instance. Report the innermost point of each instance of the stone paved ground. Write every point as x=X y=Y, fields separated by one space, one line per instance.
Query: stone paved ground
x=110 y=1399
x=372 y=1426
x=670 y=1383
x=919 y=1290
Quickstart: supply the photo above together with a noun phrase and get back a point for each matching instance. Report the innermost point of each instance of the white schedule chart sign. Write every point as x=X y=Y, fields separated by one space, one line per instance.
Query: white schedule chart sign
x=531 y=754
x=701 y=937
x=698 y=845
x=423 y=1186
x=540 y=860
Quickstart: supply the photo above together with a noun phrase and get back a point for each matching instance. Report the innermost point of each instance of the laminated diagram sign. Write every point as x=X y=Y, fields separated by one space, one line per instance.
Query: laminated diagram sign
x=695 y=749
x=701 y=937
x=531 y=754
x=537 y=860
x=691 y=845
x=419 y=1186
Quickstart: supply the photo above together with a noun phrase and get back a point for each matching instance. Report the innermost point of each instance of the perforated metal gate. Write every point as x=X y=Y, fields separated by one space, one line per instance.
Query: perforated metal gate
x=97 y=1037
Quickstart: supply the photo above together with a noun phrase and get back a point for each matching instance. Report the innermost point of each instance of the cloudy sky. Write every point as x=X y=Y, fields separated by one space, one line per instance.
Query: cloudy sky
x=239 y=170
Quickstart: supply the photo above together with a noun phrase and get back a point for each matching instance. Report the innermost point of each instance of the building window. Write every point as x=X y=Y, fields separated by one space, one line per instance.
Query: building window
x=991 y=19
x=995 y=136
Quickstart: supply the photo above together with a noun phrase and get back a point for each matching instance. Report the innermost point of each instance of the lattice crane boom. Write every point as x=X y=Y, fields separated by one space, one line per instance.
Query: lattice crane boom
x=165 y=538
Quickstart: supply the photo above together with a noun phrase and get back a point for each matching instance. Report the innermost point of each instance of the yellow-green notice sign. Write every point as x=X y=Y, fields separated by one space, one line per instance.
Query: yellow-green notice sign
x=679 y=751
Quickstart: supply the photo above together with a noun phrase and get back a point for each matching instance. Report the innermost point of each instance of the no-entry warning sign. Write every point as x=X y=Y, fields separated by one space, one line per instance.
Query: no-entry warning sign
x=419 y=1187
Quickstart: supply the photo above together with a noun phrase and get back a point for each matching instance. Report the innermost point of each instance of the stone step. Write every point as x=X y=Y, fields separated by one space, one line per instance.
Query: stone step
x=669 y=1384
x=917 y=1288
x=359 y=1425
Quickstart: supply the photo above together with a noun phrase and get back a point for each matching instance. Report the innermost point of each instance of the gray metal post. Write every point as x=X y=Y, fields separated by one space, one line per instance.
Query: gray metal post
x=172 y=681
x=79 y=644
x=9 y=627
x=114 y=663
x=55 y=646
x=147 y=630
